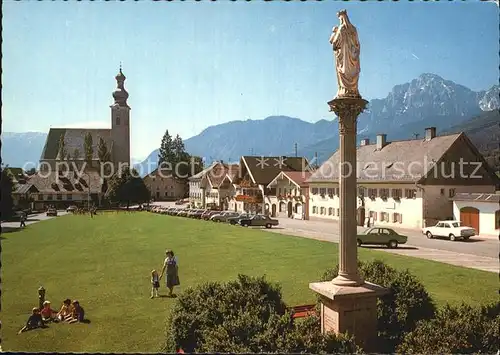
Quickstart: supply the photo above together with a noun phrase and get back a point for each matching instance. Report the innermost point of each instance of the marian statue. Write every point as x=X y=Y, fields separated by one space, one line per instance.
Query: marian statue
x=345 y=42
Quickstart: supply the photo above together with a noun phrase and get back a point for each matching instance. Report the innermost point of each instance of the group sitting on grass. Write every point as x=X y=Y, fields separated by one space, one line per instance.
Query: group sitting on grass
x=70 y=312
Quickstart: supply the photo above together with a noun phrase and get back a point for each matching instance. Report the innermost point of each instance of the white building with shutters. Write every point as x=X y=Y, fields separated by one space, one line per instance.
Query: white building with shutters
x=409 y=183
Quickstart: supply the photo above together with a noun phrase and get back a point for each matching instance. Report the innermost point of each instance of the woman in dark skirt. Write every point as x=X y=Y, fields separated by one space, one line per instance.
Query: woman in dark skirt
x=171 y=267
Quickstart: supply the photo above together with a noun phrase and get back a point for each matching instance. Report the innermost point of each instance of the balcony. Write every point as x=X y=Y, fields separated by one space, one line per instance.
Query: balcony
x=249 y=199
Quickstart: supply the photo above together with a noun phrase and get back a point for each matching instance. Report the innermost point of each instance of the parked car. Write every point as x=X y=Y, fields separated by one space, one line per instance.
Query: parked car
x=52 y=212
x=258 y=221
x=71 y=208
x=222 y=217
x=209 y=213
x=449 y=229
x=381 y=236
x=197 y=214
x=235 y=220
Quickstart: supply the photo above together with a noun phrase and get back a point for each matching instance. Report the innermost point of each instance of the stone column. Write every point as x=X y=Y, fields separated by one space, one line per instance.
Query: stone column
x=348 y=110
x=348 y=304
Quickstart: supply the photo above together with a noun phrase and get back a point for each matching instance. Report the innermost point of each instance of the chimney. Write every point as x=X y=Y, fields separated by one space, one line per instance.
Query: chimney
x=365 y=141
x=430 y=132
x=381 y=141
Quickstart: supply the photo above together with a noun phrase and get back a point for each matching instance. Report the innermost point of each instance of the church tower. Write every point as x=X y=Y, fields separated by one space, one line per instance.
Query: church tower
x=120 y=122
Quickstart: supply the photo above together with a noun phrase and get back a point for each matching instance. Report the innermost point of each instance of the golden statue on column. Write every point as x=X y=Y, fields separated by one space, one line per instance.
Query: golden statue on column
x=345 y=43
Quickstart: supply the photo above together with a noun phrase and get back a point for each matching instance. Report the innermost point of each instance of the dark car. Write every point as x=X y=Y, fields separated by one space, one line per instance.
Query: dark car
x=258 y=221
x=206 y=216
x=198 y=214
x=381 y=236
x=236 y=220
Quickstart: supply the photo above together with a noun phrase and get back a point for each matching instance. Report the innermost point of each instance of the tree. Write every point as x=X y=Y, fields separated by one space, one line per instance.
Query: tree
x=7 y=188
x=103 y=154
x=197 y=164
x=126 y=187
x=166 y=153
x=87 y=148
x=63 y=153
x=76 y=154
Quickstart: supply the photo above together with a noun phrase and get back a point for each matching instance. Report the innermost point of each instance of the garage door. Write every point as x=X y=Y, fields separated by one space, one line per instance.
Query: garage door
x=469 y=216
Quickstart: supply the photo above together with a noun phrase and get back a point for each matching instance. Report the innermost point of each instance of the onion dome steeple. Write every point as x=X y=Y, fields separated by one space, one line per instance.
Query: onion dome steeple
x=120 y=94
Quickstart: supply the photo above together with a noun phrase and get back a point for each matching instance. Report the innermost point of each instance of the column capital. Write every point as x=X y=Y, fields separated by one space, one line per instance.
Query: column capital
x=347 y=110
x=347 y=107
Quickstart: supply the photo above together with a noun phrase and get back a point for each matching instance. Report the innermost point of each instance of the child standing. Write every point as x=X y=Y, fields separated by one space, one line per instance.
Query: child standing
x=155 y=283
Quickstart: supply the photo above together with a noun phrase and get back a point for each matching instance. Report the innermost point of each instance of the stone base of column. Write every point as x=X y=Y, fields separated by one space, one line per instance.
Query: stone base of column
x=351 y=309
x=351 y=280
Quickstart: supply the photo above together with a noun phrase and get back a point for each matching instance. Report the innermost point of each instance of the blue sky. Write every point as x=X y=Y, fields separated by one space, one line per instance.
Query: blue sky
x=190 y=65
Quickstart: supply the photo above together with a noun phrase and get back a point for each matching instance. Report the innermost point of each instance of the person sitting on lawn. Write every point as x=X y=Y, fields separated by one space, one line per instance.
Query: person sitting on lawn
x=77 y=314
x=48 y=314
x=34 y=321
x=65 y=312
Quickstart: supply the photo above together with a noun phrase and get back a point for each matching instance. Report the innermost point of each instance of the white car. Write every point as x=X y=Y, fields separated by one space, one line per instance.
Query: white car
x=449 y=229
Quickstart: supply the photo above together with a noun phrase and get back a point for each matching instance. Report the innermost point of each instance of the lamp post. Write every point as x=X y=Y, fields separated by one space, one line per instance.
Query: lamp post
x=41 y=297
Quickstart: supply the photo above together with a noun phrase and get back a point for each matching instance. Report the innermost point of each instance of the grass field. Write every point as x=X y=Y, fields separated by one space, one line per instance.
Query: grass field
x=105 y=263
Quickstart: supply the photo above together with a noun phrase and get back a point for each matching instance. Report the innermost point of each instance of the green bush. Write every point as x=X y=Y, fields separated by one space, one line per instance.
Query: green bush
x=460 y=329
x=399 y=310
x=246 y=315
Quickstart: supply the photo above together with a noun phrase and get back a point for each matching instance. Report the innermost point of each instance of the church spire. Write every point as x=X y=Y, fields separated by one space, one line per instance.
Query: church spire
x=120 y=94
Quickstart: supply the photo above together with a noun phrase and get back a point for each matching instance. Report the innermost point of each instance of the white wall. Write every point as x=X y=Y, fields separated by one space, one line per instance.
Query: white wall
x=486 y=215
x=410 y=209
x=438 y=203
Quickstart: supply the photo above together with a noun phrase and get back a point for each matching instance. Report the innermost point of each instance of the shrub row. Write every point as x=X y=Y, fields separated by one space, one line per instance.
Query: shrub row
x=249 y=316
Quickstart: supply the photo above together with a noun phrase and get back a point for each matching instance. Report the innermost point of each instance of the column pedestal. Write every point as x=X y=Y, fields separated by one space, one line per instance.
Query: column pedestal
x=351 y=309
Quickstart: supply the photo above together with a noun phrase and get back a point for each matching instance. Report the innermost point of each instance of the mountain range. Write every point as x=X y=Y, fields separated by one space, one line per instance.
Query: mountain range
x=428 y=100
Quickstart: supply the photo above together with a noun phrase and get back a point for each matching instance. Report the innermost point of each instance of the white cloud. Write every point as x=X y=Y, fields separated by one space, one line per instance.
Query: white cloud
x=87 y=124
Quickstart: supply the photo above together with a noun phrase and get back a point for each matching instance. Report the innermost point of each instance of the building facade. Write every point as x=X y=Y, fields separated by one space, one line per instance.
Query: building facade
x=405 y=183
x=165 y=187
x=256 y=173
x=479 y=211
x=286 y=194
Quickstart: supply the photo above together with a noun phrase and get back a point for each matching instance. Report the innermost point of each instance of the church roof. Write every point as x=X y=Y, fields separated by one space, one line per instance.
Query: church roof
x=52 y=182
x=74 y=138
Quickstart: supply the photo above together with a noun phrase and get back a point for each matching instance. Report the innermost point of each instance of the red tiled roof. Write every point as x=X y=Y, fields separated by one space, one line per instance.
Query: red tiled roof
x=299 y=177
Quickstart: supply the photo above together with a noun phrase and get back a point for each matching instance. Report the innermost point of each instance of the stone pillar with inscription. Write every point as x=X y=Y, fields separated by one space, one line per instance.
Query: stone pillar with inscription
x=348 y=303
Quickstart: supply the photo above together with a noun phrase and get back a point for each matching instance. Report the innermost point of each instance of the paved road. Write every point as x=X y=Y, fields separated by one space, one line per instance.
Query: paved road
x=32 y=218
x=478 y=253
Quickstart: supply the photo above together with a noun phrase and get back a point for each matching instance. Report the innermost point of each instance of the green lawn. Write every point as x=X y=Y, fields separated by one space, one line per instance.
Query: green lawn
x=105 y=263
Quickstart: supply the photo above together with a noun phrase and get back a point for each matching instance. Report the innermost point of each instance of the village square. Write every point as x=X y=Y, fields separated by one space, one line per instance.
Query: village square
x=388 y=246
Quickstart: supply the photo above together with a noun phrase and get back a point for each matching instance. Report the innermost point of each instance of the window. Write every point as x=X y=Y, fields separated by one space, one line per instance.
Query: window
x=373 y=215
x=117 y=120
x=69 y=197
x=397 y=218
x=337 y=191
x=331 y=192
x=330 y=211
x=59 y=196
x=323 y=211
x=315 y=209
x=361 y=191
x=372 y=193
x=314 y=190
x=384 y=193
x=442 y=192
x=410 y=193
x=40 y=197
x=322 y=191
x=384 y=217
x=497 y=219
x=396 y=194
x=338 y=212
x=166 y=193
x=49 y=197
x=451 y=193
